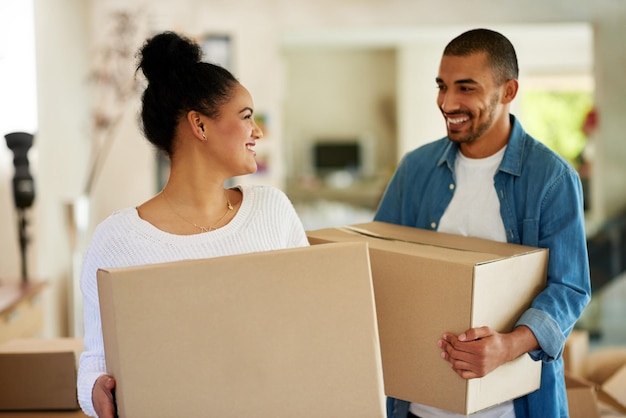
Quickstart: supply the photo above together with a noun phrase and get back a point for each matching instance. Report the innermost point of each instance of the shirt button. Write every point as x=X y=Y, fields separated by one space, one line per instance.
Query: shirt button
x=433 y=225
x=451 y=186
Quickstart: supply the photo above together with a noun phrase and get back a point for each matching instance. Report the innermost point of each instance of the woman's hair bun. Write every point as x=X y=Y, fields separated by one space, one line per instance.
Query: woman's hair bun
x=166 y=55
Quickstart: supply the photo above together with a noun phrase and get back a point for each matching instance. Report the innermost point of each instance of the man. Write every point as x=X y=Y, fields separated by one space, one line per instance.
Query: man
x=490 y=179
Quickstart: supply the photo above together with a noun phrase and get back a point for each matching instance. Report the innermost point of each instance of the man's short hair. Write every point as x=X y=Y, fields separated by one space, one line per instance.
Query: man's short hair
x=500 y=52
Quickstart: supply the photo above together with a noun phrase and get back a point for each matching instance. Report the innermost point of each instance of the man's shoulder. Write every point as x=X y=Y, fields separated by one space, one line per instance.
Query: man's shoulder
x=429 y=151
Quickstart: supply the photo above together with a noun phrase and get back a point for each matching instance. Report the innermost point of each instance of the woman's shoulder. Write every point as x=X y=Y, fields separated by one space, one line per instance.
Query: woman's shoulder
x=262 y=192
x=122 y=219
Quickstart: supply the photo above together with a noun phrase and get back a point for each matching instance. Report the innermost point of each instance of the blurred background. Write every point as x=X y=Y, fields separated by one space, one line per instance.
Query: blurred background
x=342 y=90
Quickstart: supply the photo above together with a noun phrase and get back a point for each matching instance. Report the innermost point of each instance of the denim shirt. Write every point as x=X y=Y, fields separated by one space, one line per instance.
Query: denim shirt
x=541 y=205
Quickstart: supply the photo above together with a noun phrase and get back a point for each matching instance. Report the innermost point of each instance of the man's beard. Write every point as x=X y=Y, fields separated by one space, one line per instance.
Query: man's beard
x=474 y=134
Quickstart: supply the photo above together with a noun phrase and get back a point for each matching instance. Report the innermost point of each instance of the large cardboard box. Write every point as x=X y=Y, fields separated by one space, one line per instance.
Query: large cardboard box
x=607 y=369
x=427 y=283
x=272 y=334
x=582 y=400
x=39 y=374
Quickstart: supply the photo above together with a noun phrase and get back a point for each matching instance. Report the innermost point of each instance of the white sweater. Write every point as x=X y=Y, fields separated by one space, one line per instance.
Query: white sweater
x=266 y=221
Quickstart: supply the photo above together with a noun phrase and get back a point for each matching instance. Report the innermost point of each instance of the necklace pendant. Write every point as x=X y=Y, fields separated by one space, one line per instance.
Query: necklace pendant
x=203 y=228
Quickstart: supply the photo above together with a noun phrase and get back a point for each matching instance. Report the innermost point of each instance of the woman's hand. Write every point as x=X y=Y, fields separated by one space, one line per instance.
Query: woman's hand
x=103 y=397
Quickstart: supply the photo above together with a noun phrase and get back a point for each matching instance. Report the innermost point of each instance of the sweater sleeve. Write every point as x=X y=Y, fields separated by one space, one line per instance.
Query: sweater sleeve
x=92 y=361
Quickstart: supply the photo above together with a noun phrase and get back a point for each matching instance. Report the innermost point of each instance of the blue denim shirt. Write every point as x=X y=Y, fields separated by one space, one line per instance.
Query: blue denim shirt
x=541 y=205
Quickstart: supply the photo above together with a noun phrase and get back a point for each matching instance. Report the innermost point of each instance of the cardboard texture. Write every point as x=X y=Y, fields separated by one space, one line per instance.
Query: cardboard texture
x=575 y=351
x=582 y=400
x=21 y=311
x=43 y=414
x=39 y=374
x=273 y=334
x=607 y=369
x=602 y=371
x=427 y=283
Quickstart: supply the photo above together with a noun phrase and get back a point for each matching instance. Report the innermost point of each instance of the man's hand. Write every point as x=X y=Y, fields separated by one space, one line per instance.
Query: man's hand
x=103 y=397
x=479 y=351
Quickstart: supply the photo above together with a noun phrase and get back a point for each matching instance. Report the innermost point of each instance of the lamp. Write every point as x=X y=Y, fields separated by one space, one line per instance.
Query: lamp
x=23 y=187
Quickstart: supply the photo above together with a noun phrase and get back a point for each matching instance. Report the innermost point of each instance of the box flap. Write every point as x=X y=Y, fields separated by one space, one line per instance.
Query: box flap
x=42 y=345
x=279 y=333
x=429 y=250
x=613 y=390
x=581 y=397
x=440 y=239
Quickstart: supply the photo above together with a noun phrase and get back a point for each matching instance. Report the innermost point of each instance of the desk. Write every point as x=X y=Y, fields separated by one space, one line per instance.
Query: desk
x=21 y=311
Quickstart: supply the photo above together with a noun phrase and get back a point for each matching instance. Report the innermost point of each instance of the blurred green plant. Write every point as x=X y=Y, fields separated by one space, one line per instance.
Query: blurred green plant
x=556 y=119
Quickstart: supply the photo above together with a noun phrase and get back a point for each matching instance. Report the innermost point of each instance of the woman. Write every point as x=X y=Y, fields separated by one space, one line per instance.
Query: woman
x=203 y=119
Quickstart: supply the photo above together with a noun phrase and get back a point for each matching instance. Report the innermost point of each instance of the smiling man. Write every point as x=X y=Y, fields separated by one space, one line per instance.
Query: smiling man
x=488 y=178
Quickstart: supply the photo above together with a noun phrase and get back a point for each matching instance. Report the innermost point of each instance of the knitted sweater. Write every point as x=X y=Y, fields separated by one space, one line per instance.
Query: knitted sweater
x=266 y=221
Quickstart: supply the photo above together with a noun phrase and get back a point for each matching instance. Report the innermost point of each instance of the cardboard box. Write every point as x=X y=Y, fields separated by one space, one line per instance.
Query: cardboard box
x=582 y=399
x=21 y=310
x=43 y=414
x=427 y=283
x=39 y=374
x=271 y=334
x=607 y=369
x=575 y=352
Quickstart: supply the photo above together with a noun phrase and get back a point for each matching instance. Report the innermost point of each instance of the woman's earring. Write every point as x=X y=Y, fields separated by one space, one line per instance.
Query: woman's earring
x=203 y=137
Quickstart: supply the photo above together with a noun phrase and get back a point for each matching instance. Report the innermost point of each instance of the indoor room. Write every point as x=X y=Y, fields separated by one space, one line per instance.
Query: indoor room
x=342 y=92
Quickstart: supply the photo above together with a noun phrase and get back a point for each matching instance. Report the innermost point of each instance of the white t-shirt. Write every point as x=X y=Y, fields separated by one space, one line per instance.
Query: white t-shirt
x=474 y=211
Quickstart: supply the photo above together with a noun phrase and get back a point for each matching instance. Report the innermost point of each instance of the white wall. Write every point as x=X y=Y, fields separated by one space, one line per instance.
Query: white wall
x=339 y=93
x=18 y=113
x=67 y=30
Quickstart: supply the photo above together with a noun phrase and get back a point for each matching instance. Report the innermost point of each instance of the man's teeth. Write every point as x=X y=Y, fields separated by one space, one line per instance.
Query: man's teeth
x=458 y=120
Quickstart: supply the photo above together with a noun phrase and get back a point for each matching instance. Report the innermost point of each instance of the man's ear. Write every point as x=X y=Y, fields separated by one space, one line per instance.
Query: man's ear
x=510 y=90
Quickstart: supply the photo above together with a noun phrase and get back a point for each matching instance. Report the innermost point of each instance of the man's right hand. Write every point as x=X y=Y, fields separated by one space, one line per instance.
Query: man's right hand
x=103 y=397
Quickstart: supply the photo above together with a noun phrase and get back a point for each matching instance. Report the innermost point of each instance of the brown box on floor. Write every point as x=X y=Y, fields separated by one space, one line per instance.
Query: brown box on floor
x=602 y=372
x=575 y=352
x=43 y=414
x=606 y=368
x=582 y=400
x=21 y=310
x=39 y=374
x=272 y=334
x=427 y=283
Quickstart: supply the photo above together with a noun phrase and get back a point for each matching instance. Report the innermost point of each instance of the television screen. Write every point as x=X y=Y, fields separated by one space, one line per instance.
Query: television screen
x=335 y=156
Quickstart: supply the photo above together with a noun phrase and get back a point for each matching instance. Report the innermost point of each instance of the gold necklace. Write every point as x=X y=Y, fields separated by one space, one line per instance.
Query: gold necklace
x=202 y=229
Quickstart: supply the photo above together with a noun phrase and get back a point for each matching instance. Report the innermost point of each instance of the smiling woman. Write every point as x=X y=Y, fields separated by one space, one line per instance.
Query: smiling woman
x=202 y=119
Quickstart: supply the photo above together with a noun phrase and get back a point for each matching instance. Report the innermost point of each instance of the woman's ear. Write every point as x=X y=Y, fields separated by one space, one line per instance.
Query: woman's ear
x=195 y=121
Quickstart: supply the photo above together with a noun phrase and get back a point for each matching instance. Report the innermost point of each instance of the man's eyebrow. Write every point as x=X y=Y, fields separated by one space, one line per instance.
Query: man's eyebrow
x=461 y=81
x=466 y=81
